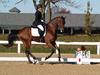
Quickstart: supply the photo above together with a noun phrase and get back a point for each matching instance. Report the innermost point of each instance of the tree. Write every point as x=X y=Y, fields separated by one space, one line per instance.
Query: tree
x=64 y=10
x=88 y=20
x=4 y=2
x=47 y=4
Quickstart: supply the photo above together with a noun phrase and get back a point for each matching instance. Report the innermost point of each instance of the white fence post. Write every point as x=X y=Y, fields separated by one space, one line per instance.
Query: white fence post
x=98 y=49
x=19 y=48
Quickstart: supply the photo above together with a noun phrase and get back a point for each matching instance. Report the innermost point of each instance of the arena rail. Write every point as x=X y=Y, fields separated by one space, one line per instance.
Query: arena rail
x=58 y=44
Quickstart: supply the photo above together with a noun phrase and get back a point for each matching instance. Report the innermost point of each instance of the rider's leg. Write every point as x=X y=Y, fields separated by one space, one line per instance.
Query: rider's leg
x=41 y=31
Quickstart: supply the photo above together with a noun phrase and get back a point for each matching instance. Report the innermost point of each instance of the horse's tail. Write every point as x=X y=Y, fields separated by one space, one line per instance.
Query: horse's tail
x=11 y=38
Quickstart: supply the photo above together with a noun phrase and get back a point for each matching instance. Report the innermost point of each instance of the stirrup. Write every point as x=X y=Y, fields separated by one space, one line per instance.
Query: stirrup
x=40 y=40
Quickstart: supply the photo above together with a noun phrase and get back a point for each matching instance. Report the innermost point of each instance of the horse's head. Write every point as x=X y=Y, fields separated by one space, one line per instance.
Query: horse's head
x=61 y=23
x=57 y=22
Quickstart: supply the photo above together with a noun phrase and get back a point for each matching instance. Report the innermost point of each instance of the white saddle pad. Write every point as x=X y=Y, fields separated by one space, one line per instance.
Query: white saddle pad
x=34 y=32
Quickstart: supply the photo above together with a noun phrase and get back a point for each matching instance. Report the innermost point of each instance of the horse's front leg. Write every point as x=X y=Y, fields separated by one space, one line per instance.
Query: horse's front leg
x=53 y=50
x=59 y=55
x=52 y=47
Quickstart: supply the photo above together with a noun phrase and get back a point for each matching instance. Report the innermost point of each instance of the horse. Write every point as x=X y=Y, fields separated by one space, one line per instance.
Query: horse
x=50 y=37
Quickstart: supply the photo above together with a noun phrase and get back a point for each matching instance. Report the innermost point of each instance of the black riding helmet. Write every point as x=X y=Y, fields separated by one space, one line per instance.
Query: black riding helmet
x=39 y=6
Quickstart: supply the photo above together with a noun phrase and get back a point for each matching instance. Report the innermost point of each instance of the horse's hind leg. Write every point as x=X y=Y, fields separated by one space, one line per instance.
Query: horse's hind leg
x=28 y=52
x=27 y=55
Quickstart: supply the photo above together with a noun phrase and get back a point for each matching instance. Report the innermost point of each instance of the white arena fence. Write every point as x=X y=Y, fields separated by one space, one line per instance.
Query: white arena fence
x=58 y=44
x=80 y=58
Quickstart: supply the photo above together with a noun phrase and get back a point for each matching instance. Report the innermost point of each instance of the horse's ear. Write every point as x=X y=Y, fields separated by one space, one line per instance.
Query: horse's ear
x=63 y=17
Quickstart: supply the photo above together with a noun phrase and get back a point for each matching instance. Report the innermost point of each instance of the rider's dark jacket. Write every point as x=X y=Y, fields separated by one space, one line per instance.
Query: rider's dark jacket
x=38 y=17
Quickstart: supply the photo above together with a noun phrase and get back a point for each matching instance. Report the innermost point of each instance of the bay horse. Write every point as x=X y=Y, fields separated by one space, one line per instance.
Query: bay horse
x=50 y=37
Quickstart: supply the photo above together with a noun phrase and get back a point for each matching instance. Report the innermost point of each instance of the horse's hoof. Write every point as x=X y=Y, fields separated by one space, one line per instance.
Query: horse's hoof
x=46 y=58
x=35 y=61
x=30 y=62
x=59 y=60
x=41 y=63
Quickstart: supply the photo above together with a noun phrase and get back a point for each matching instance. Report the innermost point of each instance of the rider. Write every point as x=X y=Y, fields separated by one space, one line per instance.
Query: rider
x=39 y=23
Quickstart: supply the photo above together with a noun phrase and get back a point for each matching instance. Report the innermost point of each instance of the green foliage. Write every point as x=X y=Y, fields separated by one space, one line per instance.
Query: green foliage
x=79 y=38
x=3 y=37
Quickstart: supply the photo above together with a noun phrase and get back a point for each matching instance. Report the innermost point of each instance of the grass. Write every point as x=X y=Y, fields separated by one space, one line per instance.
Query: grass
x=64 y=48
x=79 y=38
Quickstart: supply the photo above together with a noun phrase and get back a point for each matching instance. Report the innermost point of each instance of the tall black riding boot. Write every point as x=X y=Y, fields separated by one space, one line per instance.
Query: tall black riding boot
x=41 y=33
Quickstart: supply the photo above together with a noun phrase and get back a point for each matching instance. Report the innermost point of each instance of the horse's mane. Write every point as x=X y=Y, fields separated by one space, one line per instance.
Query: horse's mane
x=53 y=19
x=56 y=18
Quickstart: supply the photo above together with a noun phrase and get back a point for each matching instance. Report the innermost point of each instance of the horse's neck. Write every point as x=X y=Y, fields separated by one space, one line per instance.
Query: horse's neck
x=52 y=28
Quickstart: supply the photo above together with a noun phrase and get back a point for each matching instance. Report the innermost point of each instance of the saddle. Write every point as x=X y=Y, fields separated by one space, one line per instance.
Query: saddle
x=37 y=32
